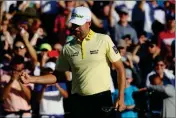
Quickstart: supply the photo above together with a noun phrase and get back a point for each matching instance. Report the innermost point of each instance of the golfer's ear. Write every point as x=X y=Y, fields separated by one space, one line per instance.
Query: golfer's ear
x=89 y=23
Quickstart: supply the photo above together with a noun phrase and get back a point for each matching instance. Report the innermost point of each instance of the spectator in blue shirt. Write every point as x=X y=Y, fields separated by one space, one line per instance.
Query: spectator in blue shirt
x=129 y=100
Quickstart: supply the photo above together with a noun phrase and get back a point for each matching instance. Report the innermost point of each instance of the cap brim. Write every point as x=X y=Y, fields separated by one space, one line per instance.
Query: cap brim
x=125 y=12
x=77 y=21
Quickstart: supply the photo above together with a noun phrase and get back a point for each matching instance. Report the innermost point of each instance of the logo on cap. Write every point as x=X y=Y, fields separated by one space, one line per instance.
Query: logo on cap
x=77 y=15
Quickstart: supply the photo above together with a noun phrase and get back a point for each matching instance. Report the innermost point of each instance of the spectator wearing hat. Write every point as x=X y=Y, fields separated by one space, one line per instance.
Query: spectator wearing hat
x=47 y=53
x=43 y=57
x=123 y=28
x=44 y=49
x=50 y=97
x=129 y=4
x=45 y=46
x=127 y=58
x=15 y=95
x=129 y=100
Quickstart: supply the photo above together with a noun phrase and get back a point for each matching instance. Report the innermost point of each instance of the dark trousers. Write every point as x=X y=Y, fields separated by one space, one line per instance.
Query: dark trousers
x=91 y=106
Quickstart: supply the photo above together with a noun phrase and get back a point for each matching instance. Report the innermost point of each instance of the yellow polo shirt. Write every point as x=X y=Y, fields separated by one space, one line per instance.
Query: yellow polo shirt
x=89 y=61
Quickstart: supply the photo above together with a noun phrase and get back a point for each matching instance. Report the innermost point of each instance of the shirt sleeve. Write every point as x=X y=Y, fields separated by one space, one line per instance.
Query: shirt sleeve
x=38 y=87
x=135 y=89
x=62 y=62
x=111 y=50
x=63 y=85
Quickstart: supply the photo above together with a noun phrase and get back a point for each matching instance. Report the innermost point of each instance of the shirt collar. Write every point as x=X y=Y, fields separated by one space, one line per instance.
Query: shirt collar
x=90 y=35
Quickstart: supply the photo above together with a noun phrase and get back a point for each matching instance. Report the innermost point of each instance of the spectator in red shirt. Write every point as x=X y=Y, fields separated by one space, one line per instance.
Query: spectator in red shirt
x=167 y=36
x=60 y=26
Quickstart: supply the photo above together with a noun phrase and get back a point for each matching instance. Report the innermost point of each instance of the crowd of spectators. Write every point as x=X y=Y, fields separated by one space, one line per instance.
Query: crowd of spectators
x=32 y=34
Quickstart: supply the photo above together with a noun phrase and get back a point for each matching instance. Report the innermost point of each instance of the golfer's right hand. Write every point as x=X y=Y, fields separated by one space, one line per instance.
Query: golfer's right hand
x=25 y=78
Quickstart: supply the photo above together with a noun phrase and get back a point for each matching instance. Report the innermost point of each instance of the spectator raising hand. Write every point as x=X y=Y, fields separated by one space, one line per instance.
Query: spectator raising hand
x=36 y=36
x=25 y=36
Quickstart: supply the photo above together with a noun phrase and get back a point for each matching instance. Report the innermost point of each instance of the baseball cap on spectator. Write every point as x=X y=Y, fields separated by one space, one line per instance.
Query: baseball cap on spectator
x=17 y=59
x=80 y=15
x=124 y=9
x=45 y=46
x=30 y=12
x=128 y=73
x=121 y=43
x=50 y=65
x=102 y=3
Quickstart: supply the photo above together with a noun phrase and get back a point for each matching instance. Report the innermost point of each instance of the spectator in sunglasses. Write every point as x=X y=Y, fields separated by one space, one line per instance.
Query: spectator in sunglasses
x=23 y=48
x=127 y=57
x=153 y=49
x=160 y=69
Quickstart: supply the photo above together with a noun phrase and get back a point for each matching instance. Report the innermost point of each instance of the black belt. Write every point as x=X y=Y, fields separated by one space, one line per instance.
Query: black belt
x=97 y=94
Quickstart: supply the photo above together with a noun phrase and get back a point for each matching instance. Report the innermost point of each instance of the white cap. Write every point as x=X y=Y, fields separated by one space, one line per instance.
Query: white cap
x=128 y=73
x=80 y=15
x=51 y=65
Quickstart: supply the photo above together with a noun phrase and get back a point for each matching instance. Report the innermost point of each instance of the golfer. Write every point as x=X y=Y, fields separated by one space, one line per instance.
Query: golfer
x=90 y=56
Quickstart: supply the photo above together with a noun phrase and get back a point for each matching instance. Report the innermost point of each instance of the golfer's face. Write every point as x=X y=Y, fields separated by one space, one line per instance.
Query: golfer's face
x=80 y=30
x=76 y=30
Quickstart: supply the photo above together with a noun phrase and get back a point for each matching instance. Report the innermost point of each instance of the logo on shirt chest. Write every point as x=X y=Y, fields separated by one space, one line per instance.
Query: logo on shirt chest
x=75 y=54
x=94 y=51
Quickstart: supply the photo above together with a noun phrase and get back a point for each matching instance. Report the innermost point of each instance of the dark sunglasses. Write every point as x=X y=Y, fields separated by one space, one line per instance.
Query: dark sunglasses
x=20 y=47
x=151 y=46
x=120 y=47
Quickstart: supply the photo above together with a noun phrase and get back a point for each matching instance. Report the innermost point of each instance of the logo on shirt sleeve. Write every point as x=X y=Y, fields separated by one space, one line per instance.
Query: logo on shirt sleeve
x=75 y=54
x=115 y=49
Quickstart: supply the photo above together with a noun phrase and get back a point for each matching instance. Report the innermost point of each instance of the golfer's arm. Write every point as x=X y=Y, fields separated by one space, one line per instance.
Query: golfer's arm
x=45 y=79
x=121 y=77
x=49 y=78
